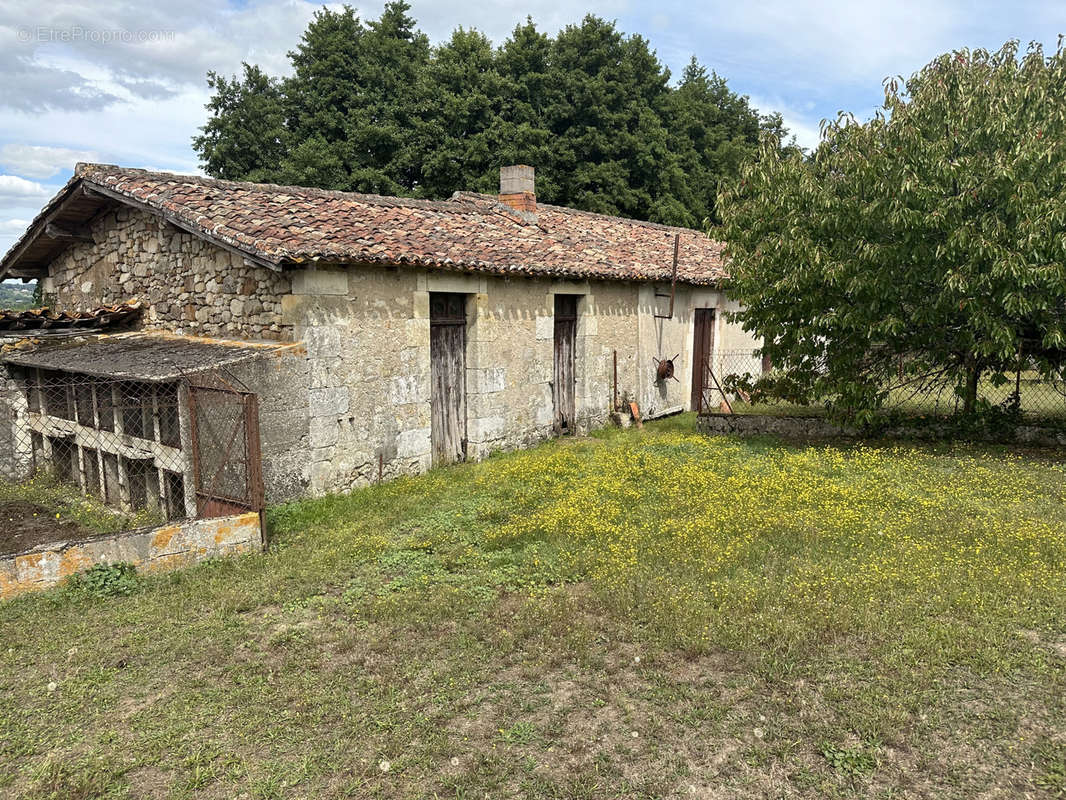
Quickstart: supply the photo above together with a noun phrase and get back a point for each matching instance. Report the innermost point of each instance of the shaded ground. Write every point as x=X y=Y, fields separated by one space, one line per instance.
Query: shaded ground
x=639 y=615
x=24 y=525
x=43 y=509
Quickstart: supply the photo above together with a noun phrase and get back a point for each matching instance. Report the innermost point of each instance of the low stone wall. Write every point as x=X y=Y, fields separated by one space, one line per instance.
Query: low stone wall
x=753 y=424
x=820 y=428
x=158 y=549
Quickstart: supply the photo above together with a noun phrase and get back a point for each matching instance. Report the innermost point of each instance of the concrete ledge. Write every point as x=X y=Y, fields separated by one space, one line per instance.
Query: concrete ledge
x=154 y=550
x=820 y=428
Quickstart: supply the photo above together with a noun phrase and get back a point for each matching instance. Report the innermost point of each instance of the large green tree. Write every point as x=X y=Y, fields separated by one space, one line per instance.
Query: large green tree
x=457 y=133
x=930 y=240
x=371 y=107
x=245 y=137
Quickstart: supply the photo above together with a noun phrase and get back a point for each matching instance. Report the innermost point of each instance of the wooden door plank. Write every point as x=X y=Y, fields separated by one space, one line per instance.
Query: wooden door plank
x=702 y=350
x=564 y=387
x=447 y=352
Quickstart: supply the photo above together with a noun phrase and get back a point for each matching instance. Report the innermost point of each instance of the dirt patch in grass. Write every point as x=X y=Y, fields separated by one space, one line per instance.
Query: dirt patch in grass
x=24 y=526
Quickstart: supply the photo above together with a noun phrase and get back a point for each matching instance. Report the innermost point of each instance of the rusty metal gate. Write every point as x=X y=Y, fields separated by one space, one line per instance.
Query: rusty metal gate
x=226 y=457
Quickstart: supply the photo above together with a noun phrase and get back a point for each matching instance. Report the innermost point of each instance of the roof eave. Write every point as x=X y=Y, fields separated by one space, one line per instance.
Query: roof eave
x=80 y=189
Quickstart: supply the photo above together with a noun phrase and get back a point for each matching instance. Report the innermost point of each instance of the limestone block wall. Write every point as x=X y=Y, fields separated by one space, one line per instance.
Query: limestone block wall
x=366 y=336
x=158 y=549
x=366 y=332
x=189 y=285
x=16 y=456
x=280 y=379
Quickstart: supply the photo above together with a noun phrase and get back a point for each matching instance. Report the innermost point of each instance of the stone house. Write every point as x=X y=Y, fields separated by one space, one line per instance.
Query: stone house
x=380 y=335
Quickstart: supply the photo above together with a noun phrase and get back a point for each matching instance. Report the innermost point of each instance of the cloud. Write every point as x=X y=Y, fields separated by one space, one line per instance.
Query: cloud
x=799 y=123
x=16 y=190
x=10 y=231
x=13 y=226
x=136 y=133
x=35 y=161
x=79 y=55
x=31 y=85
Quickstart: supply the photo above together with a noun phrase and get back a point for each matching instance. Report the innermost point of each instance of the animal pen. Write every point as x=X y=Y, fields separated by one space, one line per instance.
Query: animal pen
x=170 y=458
x=183 y=448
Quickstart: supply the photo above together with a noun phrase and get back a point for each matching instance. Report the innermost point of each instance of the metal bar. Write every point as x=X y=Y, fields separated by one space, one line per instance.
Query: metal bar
x=257 y=491
x=195 y=437
x=673 y=280
x=718 y=386
x=614 y=405
x=704 y=402
x=243 y=502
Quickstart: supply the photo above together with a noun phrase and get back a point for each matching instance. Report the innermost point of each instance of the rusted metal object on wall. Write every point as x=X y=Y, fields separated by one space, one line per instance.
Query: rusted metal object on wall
x=664 y=370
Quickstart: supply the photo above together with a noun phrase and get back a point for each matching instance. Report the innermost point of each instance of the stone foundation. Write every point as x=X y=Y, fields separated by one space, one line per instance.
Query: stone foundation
x=155 y=550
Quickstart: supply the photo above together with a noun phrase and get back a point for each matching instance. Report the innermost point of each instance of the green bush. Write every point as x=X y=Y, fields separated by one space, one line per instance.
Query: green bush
x=105 y=580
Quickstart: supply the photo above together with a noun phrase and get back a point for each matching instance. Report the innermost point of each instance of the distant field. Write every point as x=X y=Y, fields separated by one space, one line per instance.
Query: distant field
x=16 y=296
x=632 y=615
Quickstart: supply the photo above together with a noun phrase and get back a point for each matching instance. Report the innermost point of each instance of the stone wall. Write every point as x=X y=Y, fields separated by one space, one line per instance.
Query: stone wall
x=189 y=285
x=366 y=332
x=280 y=379
x=354 y=405
x=16 y=456
x=787 y=426
x=160 y=549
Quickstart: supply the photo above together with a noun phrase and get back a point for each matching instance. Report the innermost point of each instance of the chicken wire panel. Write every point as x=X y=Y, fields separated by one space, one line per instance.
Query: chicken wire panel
x=1033 y=396
x=122 y=442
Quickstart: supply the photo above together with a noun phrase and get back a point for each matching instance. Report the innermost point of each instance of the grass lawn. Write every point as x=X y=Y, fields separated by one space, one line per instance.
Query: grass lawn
x=636 y=614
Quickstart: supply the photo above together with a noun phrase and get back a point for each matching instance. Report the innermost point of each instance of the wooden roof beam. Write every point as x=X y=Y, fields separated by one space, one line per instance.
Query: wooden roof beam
x=76 y=193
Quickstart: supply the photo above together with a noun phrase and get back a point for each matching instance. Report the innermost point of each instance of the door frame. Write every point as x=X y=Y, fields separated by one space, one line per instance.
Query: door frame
x=448 y=310
x=566 y=312
x=703 y=322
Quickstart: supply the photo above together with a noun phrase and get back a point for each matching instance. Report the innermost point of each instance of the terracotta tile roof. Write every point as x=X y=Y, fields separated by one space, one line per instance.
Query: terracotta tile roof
x=280 y=225
x=46 y=319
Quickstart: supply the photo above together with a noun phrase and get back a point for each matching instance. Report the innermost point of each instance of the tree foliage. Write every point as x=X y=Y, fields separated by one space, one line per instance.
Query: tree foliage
x=373 y=107
x=927 y=243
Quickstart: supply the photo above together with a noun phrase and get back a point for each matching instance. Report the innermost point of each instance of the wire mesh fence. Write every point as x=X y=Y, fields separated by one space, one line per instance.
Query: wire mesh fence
x=172 y=448
x=728 y=376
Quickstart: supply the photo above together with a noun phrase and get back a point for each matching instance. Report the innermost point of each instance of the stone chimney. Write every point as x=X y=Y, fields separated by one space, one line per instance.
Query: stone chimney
x=517 y=188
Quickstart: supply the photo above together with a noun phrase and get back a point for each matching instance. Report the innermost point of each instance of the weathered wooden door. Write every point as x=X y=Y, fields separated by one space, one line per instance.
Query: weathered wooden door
x=702 y=349
x=563 y=387
x=447 y=366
